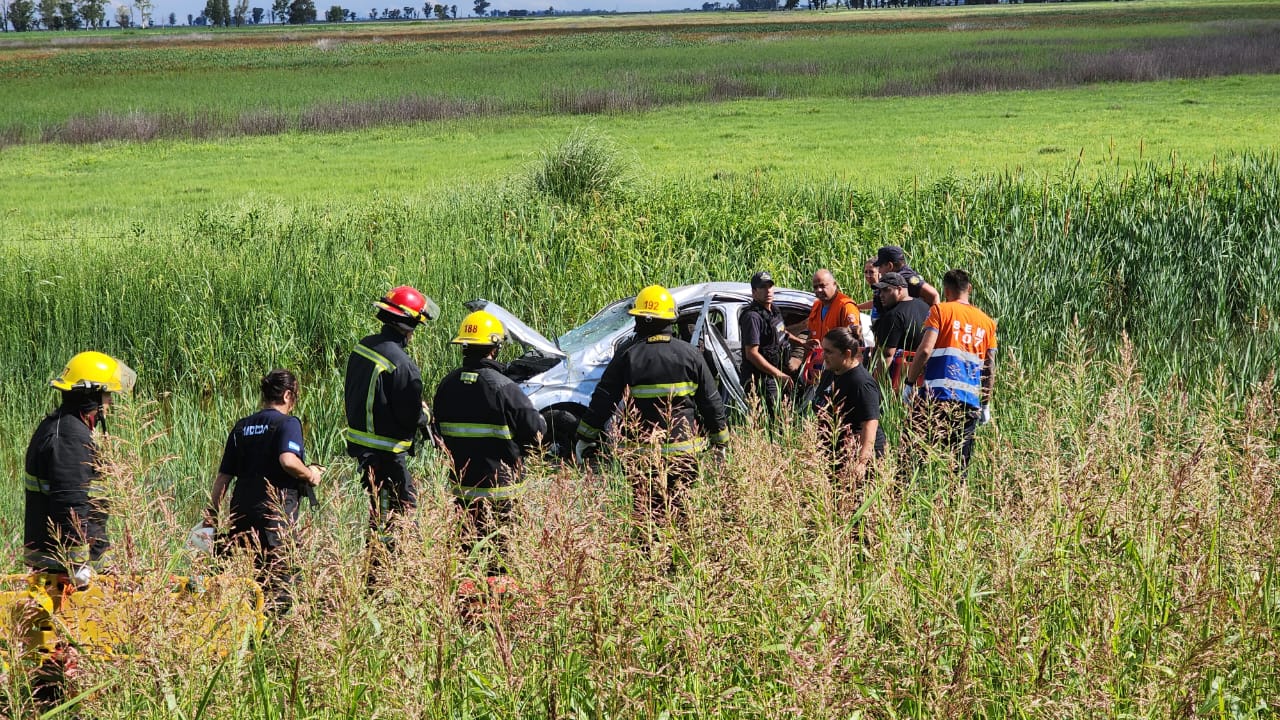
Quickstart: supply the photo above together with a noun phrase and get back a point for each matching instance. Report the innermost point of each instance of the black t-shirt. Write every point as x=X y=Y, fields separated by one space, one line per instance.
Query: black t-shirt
x=252 y=456
x=766 y=329
x=854 y=397
x=902 y=325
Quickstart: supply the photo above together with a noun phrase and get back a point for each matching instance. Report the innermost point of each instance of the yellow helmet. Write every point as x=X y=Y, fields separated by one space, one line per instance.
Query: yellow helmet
x=654 y=302
x=96 y=372
x=480 y=328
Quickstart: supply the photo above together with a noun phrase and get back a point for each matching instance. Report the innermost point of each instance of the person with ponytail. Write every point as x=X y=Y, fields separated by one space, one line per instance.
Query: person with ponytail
x=265 y=458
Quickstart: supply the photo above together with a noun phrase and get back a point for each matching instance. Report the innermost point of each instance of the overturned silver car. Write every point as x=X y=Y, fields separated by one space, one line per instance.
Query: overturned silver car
x=559 y=377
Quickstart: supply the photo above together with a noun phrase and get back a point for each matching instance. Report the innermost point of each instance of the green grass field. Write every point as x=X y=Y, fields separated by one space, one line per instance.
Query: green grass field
x=104 y=191
x=1113 y=553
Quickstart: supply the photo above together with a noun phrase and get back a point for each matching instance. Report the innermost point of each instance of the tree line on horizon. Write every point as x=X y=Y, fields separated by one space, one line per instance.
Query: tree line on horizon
x=27 y=15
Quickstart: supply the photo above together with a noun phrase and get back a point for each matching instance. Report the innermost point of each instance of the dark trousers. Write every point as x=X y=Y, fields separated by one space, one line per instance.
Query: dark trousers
x=944 y=424
x=486 y=518
x=660 y=489
x=767 y=389
x=262 y=530
x=385 y=476
x=392 y=493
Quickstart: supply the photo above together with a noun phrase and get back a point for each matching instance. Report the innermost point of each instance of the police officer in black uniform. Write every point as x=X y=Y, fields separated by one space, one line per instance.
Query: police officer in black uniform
x=891 y=258
x=383 y=398
x=764 y=344
x=486 y=423
x=66 y=514
x=671 y=386
x=265 y=458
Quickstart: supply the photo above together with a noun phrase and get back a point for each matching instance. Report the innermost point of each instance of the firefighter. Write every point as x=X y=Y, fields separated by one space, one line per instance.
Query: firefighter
x=66 y=513
x=670 y=385
x=265 y=457
x=486 y=423
x=385 y=411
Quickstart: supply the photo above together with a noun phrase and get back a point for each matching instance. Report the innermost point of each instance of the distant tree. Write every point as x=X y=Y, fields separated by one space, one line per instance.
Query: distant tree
x=480 y=6
x=257 y=14
x=790 y=4
x=124 y=16
x=67 y=15
x=201 y=21
x=440 y=11
x=22 y=15
x=241 y=14
x=279 y=10
x=453 y=10
x=190 y=20
x=335 y=14
x=144 y=8
x=393 y=13
x=49 y=16
x=302 y=12
x=173 y=19
x=373 y=13
x=92 y=12
x=409 y=11
x=351 y=15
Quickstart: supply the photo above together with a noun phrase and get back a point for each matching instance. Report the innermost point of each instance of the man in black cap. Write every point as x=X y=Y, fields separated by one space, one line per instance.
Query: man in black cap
x=764 y=344
x=891 y=258
x=899 y=327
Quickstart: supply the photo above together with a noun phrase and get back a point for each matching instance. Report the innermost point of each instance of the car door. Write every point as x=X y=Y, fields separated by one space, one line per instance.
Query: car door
x=708 y=339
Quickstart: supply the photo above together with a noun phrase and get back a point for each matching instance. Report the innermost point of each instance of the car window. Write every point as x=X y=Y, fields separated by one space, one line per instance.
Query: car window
x=689 y=318
x=601 y=327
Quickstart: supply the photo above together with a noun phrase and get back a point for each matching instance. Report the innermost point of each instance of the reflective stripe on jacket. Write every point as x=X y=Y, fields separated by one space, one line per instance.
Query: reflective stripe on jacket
x=64 y=514
x=383 y=395
x=671 y=386
x=488 y=425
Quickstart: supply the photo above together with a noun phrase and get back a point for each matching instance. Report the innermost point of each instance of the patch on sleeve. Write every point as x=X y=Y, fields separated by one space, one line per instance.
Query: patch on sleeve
x=659 y=339
x=295 y=446
x=915 y=280
x=469 y=377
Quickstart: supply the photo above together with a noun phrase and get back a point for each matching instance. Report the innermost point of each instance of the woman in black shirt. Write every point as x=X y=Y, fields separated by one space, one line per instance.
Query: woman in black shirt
x=848 y=399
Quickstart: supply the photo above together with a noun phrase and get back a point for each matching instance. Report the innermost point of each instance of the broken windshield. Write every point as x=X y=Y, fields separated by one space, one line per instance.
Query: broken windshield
x=604 y=325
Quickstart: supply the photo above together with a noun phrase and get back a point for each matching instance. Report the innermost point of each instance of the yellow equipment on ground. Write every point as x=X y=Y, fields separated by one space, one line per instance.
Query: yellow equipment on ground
x=49 y=619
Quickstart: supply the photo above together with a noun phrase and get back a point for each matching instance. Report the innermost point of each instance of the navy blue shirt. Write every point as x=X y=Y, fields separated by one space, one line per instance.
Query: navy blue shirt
x=765 y=329
x=915 y=281
x=252 y=456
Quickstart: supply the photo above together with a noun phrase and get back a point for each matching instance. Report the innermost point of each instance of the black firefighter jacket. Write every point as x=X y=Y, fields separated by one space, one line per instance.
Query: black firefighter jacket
x=669 y=381
x=487 y=424
x=383 y=395
x=64 y=509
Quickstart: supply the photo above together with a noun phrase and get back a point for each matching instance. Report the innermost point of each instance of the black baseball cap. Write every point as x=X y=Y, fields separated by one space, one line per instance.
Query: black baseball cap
x=891 y=279
x=761 y=279
x=890 y=254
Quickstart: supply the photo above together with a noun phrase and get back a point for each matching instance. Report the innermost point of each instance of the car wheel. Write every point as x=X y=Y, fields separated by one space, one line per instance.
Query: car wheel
x=562 y=429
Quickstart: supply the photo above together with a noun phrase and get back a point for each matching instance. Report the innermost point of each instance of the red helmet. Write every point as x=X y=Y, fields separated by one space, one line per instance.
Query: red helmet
x=406 y=302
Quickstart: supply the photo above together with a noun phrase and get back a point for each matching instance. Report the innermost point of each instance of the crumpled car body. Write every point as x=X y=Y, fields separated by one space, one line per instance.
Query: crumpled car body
x=559 y=377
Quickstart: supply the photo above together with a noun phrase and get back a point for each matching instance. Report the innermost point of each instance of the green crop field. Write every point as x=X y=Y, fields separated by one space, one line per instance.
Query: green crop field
x=207 y=206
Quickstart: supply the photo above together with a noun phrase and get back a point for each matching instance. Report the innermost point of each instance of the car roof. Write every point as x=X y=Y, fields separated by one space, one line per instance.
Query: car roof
x=739 y=290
